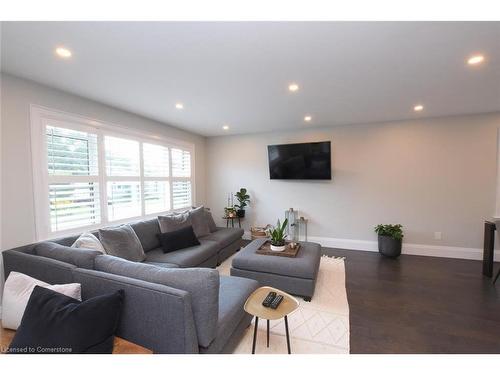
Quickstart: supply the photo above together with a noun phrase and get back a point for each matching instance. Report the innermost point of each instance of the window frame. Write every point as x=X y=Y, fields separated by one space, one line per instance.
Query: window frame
x=40 y=117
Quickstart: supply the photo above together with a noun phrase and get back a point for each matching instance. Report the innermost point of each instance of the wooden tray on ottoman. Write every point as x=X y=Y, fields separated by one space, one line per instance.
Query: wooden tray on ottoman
x=265 y=249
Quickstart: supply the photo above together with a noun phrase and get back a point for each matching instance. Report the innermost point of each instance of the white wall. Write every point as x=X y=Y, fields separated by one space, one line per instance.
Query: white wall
x=434 y=175
x=17 y=179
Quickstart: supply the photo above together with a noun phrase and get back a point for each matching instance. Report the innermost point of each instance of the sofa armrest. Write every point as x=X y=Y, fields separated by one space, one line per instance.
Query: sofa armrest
x=155 y=316
x=201 y=283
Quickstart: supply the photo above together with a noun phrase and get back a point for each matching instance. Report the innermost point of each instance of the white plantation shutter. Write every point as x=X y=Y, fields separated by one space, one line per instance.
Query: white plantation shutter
x=94 y=175
x=72 y=175
x=181 y=179
x=122 y=160
x=155 y=160
x=124 y=200
x=181 y=194
x=74 y=205
x=156 y=184
x=181 y=163
x=71 y=153
x=122 y=156
x=156 y=196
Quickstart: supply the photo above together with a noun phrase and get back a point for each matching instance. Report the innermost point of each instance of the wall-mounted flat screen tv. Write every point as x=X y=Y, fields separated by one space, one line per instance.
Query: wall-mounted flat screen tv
x=300 y=161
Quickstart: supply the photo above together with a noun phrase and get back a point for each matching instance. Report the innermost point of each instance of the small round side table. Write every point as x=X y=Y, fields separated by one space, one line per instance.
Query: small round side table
x=232 y=219
x=253 y=306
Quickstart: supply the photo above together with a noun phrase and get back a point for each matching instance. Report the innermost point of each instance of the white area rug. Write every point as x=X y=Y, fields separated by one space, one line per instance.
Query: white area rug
x=317 y=327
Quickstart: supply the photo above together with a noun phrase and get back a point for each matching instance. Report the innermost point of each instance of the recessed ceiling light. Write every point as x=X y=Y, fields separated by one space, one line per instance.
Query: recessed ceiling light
x=476 y=59
x=179 y=105
x=293 y=87
x=225 y=127
x=418 y=108
x=307 y=118
x=63 y=52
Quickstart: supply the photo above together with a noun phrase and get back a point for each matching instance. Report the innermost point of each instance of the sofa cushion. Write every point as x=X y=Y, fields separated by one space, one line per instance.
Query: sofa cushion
x=178 y=239
x=189 y=257
x=169 y=223
x=233 y=293
x=225 y=236
x=122 y=242
x=201 y=283
x=147 y=231
x=82 y=258
x=199 y=220
x=162 y=265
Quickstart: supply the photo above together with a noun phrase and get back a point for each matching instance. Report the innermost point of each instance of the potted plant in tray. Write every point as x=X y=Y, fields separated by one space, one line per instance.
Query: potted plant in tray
x=278 y=236
x=243 y=199
x=390 y=239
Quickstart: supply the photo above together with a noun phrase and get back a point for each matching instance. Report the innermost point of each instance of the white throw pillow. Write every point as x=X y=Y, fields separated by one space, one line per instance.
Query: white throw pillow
x=89 y=241
x=17 y=292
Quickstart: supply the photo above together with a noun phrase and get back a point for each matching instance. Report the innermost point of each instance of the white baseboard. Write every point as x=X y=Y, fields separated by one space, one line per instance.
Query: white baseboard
x=410 y=249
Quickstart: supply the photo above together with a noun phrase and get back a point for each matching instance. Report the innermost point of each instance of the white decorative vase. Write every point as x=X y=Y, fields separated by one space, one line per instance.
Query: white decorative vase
x=278 y=248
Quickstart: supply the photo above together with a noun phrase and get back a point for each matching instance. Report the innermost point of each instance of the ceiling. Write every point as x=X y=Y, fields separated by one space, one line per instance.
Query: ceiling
x=238 y=73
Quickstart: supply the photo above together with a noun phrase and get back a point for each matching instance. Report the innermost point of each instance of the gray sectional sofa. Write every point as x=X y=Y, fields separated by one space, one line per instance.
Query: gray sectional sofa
x=174 y=302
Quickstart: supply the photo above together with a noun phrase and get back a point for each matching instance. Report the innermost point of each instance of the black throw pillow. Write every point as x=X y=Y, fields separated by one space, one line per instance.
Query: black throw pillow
x=178 y=239
x=57 y=324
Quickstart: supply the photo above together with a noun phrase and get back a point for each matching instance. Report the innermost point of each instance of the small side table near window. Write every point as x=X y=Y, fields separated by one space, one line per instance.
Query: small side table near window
x=232 y=219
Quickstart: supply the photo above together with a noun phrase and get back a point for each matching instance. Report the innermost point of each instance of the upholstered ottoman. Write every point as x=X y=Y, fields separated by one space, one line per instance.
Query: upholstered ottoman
x=293 y=275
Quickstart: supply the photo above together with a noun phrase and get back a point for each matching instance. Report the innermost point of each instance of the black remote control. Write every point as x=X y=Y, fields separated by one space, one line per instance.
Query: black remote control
x=270 y=297
x=276 y=302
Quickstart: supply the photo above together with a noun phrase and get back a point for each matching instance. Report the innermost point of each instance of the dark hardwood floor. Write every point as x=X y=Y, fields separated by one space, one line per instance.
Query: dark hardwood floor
x=417 y=304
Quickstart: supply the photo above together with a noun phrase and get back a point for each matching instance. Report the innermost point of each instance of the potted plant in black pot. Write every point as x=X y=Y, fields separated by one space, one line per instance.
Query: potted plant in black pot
x=243 y=199
x=390 y=239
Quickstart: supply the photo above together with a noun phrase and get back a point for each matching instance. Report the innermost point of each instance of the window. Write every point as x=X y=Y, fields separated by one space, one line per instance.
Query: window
x=73 y=205
x=71 y=153
x=122 y=157
x=124 y=200
x=123 y=161
x=72 y=178
x=181 y=172
x=87 y=176
x=156 y=178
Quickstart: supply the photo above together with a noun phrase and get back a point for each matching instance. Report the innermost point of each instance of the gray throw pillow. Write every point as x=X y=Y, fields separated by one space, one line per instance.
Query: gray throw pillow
x=210 y=220
x=122 y=242
x=169 y=223
x=199 y=221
